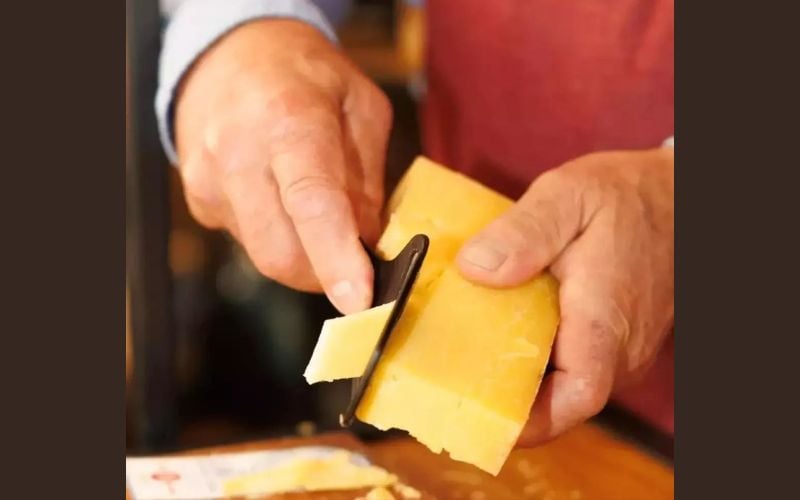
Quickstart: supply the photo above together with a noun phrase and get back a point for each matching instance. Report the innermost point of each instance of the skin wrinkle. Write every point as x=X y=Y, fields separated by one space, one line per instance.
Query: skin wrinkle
x=622 y=290
x=370 y=111
x=275 y=257
x=524 y=219
x=308 y=199
x=310 y=132
x=365 y=199
x=356 y=181
x=639 y=348
x=315 y=66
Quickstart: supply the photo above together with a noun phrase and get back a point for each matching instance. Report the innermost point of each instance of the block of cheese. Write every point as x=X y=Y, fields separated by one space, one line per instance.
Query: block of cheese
x=345 y=345
x=462 y=368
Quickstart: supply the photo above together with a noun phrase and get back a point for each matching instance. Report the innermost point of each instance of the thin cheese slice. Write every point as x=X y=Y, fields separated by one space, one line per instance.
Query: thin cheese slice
x=346 y=344
x=337 y=472
x=463 y=366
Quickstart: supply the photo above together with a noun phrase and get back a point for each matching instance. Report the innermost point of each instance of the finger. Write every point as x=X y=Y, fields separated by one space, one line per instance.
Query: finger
x=368 y=120
x=527 y=238
x=203 y=198
x=239 y=149
x=308 y=162
x=265 y=230
x=585 y=359
x=585 y=356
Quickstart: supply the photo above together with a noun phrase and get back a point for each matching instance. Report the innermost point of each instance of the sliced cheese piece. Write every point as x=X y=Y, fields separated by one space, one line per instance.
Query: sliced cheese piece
x=336 y=472
x=346 y=344
x=463 y=366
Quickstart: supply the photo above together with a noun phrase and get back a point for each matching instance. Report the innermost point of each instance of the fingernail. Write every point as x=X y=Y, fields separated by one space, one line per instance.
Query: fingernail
x=348 y=297
x=484 y=255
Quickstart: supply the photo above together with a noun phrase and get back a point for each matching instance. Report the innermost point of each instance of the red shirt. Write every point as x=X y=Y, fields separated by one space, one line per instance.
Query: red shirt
x=516 y=87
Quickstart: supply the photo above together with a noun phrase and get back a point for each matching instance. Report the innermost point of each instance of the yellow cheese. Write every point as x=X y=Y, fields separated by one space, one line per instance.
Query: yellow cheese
x=346 y=344
x=407 y=492
x=379 y=493
x=451 y=202
x=337 y=472
x=462 y=368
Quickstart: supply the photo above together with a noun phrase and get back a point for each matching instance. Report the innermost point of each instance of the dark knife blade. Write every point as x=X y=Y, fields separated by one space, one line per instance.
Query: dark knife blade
x=394 y=280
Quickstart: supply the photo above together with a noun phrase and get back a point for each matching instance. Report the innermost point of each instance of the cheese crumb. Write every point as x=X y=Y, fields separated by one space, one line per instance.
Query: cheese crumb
x=407 y=492
x=379 y=493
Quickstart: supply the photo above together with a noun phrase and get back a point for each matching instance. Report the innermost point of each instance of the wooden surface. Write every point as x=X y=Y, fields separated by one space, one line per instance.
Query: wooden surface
x=587 y=463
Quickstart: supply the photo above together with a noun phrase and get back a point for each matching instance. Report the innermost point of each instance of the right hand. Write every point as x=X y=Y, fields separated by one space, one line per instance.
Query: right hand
x=282 y=142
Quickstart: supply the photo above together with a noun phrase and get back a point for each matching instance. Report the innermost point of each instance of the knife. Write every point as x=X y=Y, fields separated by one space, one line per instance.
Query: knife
x=393 y=281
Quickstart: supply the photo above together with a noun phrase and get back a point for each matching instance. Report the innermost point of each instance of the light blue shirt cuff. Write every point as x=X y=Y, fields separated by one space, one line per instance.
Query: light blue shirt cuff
x=196 y=25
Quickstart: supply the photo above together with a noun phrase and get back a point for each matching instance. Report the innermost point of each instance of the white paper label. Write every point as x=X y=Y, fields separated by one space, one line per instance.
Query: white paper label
x=202 y=477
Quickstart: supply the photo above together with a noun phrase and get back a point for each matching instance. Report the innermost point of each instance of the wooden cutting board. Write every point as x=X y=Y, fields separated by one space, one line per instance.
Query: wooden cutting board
x=586 y=463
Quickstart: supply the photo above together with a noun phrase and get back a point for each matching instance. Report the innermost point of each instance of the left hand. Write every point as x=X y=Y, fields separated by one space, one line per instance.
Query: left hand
x=604 y=226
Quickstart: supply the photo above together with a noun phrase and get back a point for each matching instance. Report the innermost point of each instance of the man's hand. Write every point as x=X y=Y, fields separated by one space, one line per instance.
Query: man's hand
x=282 y=142
x=604 y=226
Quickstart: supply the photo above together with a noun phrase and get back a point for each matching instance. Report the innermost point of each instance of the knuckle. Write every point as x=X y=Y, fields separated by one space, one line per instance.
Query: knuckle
x=381 y=108
x=276 y=265
x=201 y=214
x=556 y=178
x=289 y=102
x=604 y=341
x=564 y=192
x=594 y=398
x=600 y=329
x=195 y=176
x=276 y=262
x=369 y=102
x=517 y=229
x=595 y=389
x=293 y=111
x=202 y=196
x=296 y=101
x=311 y=198
x=313 y=130
x=327 y=75
x=526 y=223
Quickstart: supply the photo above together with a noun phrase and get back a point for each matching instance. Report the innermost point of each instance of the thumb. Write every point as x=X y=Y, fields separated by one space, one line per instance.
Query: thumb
x=527 y=238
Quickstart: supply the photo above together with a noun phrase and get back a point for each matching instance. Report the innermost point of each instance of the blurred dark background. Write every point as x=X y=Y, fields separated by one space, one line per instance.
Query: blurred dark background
x=216 y=352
